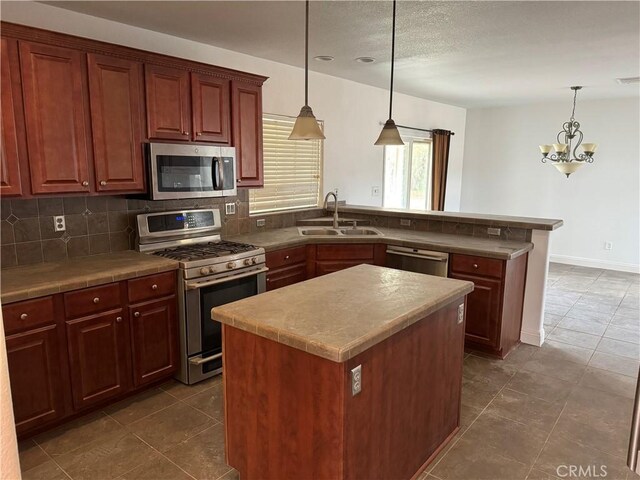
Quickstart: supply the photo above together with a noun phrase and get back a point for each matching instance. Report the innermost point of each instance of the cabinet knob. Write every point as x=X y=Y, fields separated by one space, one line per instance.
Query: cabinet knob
x=23 y=316
x=238 y=180
x=96 y=300
x=103 y=182
x=136 y=314
x=185 y=133
x=475 y=265
x=268 y=280
x=286 y=257
x=199 y=133
x=118 y=319
x=154 y=287
x=85 y=184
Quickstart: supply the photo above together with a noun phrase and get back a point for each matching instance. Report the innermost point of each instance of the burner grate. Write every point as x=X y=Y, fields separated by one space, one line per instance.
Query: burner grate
x=202 y=251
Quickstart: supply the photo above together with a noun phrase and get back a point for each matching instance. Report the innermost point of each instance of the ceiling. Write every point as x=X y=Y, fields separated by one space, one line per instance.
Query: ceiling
x=467 y=53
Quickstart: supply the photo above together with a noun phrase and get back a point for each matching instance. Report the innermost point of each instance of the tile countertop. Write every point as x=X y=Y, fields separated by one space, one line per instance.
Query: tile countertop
x=339 y=315
x=485 y=247
x=32 y=281
x=477 y=218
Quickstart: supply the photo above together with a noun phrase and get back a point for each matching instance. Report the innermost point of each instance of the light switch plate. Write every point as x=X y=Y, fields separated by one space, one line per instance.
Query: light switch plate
x=493 y=231
x=356 y=380
x=230 y=208
x=59 y=223
x=460 y=313
x=261 y=222
x=405 y=222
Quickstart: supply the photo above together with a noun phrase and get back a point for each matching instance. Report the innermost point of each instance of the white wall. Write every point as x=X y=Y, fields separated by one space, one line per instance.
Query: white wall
x=351 y=111
x=600 y=202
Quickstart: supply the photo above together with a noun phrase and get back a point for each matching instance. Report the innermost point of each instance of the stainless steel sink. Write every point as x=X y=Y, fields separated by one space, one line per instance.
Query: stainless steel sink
x=321 y=231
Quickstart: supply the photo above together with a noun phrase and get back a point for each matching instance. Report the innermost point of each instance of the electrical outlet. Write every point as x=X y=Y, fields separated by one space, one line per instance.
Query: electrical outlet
x=59 y=224
x=375 y=191
x=608 y=245
x=230 y=208
x=493 y=231
x=261 y=222
x=405 y=222
x=460 y=313
x=356 y=380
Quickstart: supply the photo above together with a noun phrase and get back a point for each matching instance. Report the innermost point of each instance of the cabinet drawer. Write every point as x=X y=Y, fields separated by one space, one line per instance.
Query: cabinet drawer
x=92 y=300
x=489 y=267
x=286 y=276
x=286 y=257
x=153 y=286
x=28 y=314
x=344 y=252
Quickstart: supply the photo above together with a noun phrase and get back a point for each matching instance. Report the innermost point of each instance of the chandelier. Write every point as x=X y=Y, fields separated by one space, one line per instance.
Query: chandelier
x=565 y=158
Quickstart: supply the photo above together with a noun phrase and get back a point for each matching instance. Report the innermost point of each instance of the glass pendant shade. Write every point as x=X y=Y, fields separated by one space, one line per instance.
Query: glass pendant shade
x=545 y=149
x=389 y=134
x=560 y=147
x=306 y=126
x=589 y=147
x=567 y=167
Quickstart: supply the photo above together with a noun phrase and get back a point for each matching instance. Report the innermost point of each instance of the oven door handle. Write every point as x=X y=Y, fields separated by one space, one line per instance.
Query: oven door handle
x=196 y=285
x=200 y=361
x=415 y=255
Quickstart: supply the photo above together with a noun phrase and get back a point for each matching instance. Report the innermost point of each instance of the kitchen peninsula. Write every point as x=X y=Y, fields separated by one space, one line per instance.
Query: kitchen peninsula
x=355 y=374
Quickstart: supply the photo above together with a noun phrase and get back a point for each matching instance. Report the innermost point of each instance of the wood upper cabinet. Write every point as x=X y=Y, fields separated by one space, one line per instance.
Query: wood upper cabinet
x=154 y=340
x=54 y=94
x=35 y=371
x=210 y=105
x=98 y=357
x=246 y=118
x=168 y=103
x=117 y=102
x=10 y=159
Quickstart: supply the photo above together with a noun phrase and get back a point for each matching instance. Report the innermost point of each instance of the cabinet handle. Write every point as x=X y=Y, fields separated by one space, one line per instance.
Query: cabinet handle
x=238 y=181
x=475 y=265
x=118 y=319
x=103 y=182
x=199 y=133
x=23 y=316
x=85 y=184
x=286 y=257
x=154 y=287
x=96 y=300
x=136 y=314
x=185 y=133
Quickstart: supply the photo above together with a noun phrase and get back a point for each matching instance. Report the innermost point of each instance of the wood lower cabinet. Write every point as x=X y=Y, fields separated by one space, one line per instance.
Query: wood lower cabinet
x=168 y=103
x=286 y=267
x=328 y=258
x=117 y=102
x=494 y=308
x=54 y=94
x=246 y=117
x=35 y=372
x=10 y=157
x=210 y=98
x=154 y=340
x=98 y=357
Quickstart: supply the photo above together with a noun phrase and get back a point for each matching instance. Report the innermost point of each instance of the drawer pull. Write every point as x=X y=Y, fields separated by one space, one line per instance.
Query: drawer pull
x=199 y=133
x=103 y=183
x=286 y=257
x=23 y=316
x=118 y=319
x=136 y=314
x=85 y=184
x=475 y=265
x=154 y=287
x=96 y=300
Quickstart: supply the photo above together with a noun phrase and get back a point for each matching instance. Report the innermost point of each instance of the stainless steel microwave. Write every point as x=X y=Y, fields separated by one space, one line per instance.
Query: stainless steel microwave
x=190 y=171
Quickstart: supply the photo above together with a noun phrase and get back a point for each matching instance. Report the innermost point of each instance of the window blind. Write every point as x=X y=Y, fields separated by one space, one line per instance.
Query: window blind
x=292 y=169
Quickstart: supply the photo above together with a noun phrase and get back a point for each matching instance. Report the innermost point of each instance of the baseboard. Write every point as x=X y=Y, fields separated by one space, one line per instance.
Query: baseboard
x=532 y=338
x=590 y=262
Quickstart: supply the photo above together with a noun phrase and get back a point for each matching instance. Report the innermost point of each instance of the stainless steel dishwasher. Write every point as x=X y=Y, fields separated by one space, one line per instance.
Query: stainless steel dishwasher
x=417 y=260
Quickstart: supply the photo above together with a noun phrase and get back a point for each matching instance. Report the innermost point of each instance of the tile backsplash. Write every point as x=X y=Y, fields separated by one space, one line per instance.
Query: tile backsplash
x=94 y=225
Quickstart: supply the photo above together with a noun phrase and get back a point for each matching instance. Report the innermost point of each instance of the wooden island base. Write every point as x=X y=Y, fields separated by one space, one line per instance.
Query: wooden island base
x=290 y=414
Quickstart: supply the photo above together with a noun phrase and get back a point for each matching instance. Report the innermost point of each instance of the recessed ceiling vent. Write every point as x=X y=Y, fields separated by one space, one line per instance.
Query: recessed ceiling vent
x=628 y=80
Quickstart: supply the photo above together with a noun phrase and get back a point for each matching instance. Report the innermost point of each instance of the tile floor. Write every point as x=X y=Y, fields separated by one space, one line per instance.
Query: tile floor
x=568 y=402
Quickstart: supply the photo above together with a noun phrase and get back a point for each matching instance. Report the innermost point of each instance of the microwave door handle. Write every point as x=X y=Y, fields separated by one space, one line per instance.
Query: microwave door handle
x=215 y=174
x=221 y=170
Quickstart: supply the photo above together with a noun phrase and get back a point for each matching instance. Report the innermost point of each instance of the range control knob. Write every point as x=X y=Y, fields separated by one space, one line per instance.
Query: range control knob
x=254 y=260
x=212 y=270
x=231 y=265
x=247 y=261
x=204 y=270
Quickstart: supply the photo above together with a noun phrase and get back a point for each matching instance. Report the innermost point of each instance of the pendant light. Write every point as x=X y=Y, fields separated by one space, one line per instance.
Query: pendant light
x=306 y=126
x=389 y=134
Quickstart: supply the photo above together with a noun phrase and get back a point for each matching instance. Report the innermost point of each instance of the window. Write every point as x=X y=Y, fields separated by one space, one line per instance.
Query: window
x=292 y=169
x=407 y=174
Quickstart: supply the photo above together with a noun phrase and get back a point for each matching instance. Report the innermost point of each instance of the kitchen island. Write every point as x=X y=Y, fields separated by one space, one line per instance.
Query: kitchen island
x=355 y=374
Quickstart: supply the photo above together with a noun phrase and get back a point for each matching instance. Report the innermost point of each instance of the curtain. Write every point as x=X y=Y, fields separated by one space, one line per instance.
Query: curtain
x=439 y=165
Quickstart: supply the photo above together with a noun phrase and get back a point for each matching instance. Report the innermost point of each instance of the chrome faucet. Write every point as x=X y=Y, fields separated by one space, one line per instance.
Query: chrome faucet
x=335 y=209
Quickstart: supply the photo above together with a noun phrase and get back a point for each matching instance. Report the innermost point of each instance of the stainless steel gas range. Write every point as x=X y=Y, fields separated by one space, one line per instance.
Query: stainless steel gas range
x=212 y=272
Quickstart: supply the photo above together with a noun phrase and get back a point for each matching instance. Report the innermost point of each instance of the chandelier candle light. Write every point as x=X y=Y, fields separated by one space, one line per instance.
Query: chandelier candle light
x=563 y=150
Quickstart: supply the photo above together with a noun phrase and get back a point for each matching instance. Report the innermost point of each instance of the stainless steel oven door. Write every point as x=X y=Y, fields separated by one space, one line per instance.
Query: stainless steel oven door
x=204 y=335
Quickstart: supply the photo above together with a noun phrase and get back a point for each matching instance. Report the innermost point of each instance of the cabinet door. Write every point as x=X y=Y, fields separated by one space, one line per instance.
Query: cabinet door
x=323 y=267
x=246 y=114
x=154 y=331
x=483 y=310
x=36 y=380
x=286 y=276
x=168 y=103
x=10 y=160
x=210 y=104
x=54 y=94
x=98 y=357
x=116 y=99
